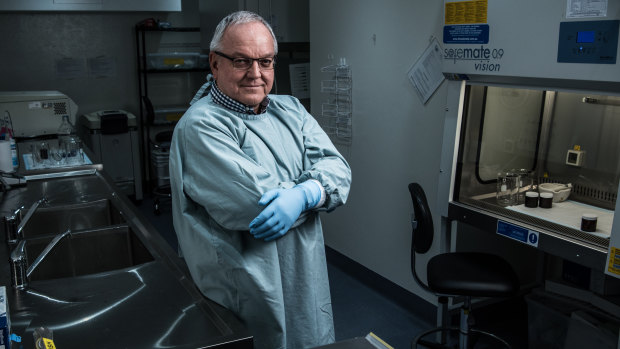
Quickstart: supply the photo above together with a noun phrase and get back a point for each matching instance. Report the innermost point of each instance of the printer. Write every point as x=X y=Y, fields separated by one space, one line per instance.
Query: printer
x=112 y=138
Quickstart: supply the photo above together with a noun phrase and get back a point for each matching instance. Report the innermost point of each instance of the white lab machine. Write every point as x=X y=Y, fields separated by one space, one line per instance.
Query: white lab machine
x=36 y=113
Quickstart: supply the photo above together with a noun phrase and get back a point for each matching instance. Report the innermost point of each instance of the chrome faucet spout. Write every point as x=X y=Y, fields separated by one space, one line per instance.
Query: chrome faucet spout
x=31 y=210
x=20 y=271
x=47 y=250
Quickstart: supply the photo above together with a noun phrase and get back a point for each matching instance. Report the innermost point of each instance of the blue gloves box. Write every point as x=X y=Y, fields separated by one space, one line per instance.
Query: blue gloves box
x=4 y=320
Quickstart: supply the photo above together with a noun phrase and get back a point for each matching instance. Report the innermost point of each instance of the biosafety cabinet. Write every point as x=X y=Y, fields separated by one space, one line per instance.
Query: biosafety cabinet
x=531 y=148
x=517 y=146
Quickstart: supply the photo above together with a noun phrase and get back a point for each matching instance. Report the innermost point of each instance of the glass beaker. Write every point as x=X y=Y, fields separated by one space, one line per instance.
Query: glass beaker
x=73 y=151
x=507 y=188
x=58 y=154
x=525 y=183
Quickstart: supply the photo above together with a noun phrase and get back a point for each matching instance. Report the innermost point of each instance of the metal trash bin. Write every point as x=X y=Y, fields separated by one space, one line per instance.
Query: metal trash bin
x=112 y=138
x=160 y=171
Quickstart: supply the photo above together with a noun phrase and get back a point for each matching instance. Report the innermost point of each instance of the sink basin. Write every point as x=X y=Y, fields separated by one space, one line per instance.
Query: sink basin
x=78 y=216
x=87 y=252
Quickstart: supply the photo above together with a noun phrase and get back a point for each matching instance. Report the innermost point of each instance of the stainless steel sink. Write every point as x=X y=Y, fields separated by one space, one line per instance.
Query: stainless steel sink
x=56 y=218
x=87 y=252
x=111 y=281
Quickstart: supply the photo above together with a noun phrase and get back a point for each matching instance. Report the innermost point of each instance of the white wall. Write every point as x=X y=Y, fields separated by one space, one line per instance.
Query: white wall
x=396 y=139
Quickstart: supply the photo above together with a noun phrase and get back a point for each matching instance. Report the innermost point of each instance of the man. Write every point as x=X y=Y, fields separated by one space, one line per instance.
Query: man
x=249 y=172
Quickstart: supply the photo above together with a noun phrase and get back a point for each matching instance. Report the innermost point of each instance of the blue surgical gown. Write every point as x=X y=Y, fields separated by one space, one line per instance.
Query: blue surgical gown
x=221 y=162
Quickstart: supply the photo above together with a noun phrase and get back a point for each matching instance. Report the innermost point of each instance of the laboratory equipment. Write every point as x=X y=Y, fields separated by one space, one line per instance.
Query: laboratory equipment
x=507 y=188
x=504 y=127
x=531 y=199
x=559 y=191
x=66 y=131
x=515 y=103
x=37 y=113
x=545 y=200
x=112 y=137
x=588 y=222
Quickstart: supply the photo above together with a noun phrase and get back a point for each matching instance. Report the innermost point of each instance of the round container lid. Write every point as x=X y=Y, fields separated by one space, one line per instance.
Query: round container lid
x=546 y=195
x=531 y=194
x=589 y=216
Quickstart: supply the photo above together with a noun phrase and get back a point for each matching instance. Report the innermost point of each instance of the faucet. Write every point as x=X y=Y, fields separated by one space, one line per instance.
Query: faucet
x=20 y=272
x=14 y=223
x=10 y=225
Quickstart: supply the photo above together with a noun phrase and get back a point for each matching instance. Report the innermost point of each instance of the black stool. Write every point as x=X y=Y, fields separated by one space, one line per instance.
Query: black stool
x=453 y=274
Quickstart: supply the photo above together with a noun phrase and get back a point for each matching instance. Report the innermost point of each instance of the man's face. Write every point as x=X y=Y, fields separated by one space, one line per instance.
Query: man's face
x=248 y=40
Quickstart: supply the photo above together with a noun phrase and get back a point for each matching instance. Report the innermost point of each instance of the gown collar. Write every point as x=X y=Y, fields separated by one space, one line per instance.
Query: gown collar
x=220 y=98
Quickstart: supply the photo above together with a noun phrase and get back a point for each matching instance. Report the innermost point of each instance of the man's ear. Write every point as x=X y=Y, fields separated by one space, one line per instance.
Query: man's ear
x=212 y=61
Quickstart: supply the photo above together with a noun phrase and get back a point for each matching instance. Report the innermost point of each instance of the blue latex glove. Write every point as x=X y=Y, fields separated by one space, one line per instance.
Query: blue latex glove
x=283 y=208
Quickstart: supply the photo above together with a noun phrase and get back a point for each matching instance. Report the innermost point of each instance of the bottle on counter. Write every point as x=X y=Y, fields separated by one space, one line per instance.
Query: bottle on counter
x=7 y=134
x=66 y=131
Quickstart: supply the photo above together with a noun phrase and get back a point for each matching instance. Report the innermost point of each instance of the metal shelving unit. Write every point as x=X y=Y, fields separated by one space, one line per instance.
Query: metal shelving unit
x=157 y=121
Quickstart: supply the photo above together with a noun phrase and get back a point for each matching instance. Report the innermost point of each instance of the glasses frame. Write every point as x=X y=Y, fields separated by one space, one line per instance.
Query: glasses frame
x=239 y=60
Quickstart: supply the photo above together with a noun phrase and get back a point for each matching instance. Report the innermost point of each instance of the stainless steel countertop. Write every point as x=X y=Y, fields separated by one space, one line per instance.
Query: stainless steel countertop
x=151 y=305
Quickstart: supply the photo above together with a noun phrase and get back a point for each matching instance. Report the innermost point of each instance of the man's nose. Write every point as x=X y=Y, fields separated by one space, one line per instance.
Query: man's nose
x=254 y=69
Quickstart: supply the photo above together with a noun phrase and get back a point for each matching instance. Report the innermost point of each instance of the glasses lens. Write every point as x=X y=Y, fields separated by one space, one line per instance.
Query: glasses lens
x=266 y=63
x=242 y=63
x=246 y=63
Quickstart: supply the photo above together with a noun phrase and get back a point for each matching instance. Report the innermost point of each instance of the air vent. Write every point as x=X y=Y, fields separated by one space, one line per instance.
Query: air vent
x=594 y=193
x=598 y=196
x=60 y=108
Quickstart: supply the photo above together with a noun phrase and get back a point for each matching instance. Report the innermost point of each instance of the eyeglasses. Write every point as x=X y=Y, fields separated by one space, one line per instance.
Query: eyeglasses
x=246 y=63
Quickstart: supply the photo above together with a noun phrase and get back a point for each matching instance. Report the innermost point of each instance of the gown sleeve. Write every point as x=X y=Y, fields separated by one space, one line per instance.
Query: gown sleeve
x=324 y=163
x=217 y=175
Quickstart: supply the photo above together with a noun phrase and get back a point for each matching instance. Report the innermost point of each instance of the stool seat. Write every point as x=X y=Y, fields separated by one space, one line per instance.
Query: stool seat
x=471 y=274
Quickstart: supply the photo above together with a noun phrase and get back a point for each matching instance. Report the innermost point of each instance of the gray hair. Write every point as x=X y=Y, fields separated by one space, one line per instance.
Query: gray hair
x=239 y=17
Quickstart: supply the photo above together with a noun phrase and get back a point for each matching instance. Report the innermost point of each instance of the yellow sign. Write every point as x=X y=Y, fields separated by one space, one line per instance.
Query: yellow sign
x=49 y=344
x=614 y=261
x=466 y=12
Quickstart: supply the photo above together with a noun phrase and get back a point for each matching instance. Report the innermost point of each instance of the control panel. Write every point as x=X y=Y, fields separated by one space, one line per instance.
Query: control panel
x=588 y=42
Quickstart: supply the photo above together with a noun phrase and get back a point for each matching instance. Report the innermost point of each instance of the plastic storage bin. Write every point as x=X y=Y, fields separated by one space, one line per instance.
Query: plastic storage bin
x=172 y=60
x=167 y=115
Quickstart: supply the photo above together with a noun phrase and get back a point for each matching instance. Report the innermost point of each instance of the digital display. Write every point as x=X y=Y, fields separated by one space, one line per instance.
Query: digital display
x=585 y=36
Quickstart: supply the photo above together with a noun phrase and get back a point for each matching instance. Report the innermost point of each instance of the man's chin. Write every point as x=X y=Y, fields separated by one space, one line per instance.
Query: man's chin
x=253 y=100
